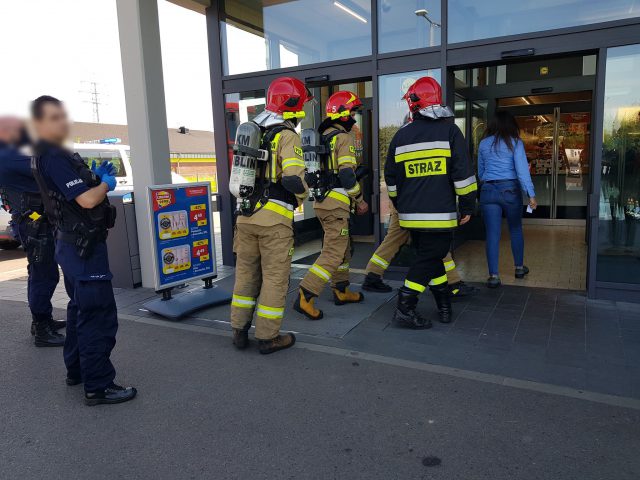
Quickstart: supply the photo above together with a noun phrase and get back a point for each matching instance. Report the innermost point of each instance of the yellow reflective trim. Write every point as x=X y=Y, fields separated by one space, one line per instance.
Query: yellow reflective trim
x=339 y=196
x=279 y=209
x=468 y=189
x=266 y=314
x=332 y=157
x=354 y=191
x=289 y=115
x=318 y=271
x=379 y=261
x=240 y=297
x=435 y=152
x=243 y=302
x=269 y=312
x=241 y=305
x=450 y=265
x=344 y=267
x=344 y=113
x=414 y=286
x=393 y=194
x=34 y=216
x=271 y=309
x=292 y=162
x=346 y=160
x=428 y=223
x=439 y=280
x=274 y=155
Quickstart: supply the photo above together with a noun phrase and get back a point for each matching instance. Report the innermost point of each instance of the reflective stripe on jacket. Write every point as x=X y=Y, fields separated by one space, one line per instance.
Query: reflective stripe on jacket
x=427 y=166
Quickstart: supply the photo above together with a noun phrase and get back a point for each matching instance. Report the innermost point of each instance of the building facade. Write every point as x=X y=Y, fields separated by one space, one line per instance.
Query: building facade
x=569 y=70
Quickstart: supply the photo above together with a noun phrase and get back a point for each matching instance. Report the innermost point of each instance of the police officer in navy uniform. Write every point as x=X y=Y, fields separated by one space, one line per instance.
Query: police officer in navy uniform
x=75 y=199
x=20 y=197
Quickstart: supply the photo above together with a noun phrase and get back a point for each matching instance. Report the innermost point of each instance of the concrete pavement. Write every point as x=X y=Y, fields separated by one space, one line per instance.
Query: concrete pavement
x=207 y=411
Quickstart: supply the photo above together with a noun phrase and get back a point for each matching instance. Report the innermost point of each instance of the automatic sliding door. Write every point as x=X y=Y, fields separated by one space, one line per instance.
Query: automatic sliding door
x=557 y=140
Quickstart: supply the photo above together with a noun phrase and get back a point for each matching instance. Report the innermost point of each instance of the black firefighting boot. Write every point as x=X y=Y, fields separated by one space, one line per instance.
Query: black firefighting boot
x=305 y=304
x=442 y=294
x=342 y=295
x=55 y=325
x=281 y=342
x=373 y=283
x=241 y=337
x=44 y=335
x=406 y=314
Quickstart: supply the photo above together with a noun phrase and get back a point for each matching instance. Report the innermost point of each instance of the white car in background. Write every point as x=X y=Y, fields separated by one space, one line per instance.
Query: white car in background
x=120 y=156
x=7 y=240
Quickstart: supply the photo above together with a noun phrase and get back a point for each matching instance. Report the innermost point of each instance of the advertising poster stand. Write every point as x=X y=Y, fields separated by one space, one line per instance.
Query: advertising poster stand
x=183 y=249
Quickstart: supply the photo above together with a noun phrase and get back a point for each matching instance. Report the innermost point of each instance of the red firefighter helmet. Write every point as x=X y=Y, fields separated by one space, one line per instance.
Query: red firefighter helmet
x=286 y=96
x=341 y=104
x=425 y=92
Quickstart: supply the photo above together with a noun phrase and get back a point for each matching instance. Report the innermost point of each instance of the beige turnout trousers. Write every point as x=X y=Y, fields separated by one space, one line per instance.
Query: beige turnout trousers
x=390 y=246
x=333 y=262
x=262 y=277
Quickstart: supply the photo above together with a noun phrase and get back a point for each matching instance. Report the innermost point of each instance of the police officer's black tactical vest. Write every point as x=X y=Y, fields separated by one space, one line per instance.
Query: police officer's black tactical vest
x=68 y=216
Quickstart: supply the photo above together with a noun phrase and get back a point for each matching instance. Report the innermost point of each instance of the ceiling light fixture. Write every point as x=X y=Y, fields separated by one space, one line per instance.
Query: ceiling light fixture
x=350 y=12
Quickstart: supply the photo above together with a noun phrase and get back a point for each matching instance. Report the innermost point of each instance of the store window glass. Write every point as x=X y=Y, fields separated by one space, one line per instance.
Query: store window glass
x=393 y=114
x=619 y=225
x=261 y=35
x=474 y=20
x=408 y=24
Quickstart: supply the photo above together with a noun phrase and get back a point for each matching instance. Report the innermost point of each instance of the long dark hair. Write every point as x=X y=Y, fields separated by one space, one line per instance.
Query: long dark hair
x=503 y=126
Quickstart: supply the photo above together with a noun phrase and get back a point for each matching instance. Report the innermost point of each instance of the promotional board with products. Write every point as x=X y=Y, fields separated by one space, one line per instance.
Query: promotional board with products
x=184 y=248
x=183 y=233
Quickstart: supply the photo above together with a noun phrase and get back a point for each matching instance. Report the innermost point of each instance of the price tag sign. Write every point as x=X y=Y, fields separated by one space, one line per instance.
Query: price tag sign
x=182 y=233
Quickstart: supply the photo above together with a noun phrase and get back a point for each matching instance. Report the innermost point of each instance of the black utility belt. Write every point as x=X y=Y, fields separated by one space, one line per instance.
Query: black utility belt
x=73 y=238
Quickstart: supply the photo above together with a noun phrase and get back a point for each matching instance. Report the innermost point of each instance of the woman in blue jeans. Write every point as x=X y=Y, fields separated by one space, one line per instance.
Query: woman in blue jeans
x=504 y=171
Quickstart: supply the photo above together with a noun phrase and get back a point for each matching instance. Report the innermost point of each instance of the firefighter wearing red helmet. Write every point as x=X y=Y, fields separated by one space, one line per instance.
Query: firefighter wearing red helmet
x=427 y=167
x=333 y=207
x=263 y=240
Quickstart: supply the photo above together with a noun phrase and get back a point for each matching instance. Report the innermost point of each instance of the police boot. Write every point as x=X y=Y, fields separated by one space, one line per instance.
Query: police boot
x=55 y=325
x=373 y=283
x=406 y=314
x=342 y=295
x=305 y=305
x=45 y=336
x=442 y=294
x=110 y=395
x=241 y=337
x=280 y=342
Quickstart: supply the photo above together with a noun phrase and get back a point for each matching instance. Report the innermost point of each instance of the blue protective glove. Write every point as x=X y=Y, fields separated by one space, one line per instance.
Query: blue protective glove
x=110 y=180
x=105 y=168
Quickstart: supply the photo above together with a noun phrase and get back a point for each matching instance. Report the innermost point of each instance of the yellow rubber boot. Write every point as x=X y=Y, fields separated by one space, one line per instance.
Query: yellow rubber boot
x=342 y=295
x=305 y=305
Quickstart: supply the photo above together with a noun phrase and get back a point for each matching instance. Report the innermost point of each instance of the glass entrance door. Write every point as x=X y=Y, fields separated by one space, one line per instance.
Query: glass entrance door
x=557 y=140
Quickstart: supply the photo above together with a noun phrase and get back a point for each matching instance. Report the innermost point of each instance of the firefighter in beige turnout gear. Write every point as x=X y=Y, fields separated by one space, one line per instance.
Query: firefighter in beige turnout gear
x=395 y=238
x=334 y=209
x=263 y=239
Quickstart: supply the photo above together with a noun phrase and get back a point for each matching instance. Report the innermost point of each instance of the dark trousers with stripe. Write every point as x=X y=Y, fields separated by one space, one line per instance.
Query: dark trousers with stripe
x=427 y=267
